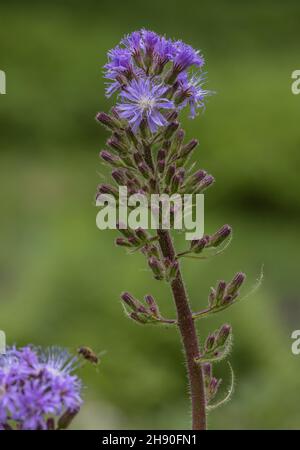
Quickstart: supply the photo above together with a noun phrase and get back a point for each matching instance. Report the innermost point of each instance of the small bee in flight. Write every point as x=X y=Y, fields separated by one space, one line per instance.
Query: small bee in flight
x=89 y=355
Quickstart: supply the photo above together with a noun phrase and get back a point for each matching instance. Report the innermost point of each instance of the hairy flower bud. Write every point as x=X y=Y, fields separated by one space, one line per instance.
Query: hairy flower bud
x=142 y=234
x=188 y=148
x=236 y=283
x=116 y=143
x=161 y=154
x=207 y=181
x=119 y=177
x=138 y=318
x=161 y=165
x=108 y=121
x=152 y=305
x=144 y=169
x=207 y=370
x=170 y=130
x=107 y=189
x=220 y=291
x=217 y=238
x=213 y=387
x=227 y=300
x=223 y=335
x=121 y=242
x=177 y=180
x=210 y=342
x=111 y=159
x=169 y=174
x=131 y=136
x=130 y=301
x=197 y=245
x=156 y=268
x=212 y=297
x=198 y=176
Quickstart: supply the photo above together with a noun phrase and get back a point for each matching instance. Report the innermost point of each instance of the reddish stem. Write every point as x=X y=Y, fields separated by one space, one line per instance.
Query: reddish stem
x=189 y=337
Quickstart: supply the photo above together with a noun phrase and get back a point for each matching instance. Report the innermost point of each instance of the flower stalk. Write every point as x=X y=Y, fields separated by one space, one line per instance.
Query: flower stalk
x=152 y=78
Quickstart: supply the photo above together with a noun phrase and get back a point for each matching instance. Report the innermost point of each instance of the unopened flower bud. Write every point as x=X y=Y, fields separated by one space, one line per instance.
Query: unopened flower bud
x=220 y=236
x=161 y=154
x=227 y=300
x=138 y=158
x=119 y=177
x=108 y=121
x=198 y=245
x=220 y=290
x=152 y=305
x=107 y=189
x=161 y=165
x=113 y=160
x=131 y=136
x=156 y=267
x=236 y=283
x=141 y=234
x=170 y=130
x=121 y=242
x=213 y=387
x=140 y=319
x=198 y=176
x=210 y=342
x=207 y=370
x=207 y=181
x=212 y=298
x=134 y=241
x=223 y=335
x=115 y=142
x=177 y=179
x=170 y=173
x=144 y=169
x=153 y=251
x=177 y=143
x=188 y=148
x=130 y=300
x=152 y=184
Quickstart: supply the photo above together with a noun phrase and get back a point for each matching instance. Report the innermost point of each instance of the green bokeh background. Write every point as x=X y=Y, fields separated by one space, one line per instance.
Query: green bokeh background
x=60 y=277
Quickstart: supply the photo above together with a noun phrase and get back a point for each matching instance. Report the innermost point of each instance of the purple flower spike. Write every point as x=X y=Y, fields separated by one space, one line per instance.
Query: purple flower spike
x=143 y=99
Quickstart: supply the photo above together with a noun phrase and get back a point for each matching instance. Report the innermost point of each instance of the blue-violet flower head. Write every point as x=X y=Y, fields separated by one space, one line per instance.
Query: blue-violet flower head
x=144 y=99
x=36 y=385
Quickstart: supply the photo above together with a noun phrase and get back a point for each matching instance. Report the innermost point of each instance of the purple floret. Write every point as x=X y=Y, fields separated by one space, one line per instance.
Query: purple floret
x=143 y=99
x=191 y=90
x=186 y=56
x=119 y=63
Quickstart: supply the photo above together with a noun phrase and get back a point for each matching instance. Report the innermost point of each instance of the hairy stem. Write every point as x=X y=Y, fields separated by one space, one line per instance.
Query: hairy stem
x=188 y=333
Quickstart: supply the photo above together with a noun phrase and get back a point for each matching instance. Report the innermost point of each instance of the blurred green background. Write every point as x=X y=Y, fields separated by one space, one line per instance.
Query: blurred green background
x=60 y=277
